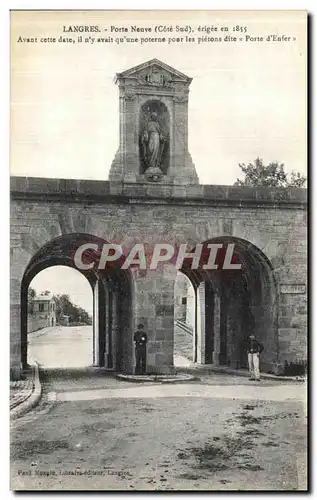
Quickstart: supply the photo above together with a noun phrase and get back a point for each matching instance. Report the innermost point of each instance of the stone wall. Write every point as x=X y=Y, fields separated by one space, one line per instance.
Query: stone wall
x=274 y=220
x=190 y=306
x=36 y=323
x=180 y=291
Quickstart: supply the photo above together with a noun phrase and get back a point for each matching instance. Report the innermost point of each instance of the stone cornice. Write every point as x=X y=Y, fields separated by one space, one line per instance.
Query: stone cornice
x=90 y=191
x=155 y=91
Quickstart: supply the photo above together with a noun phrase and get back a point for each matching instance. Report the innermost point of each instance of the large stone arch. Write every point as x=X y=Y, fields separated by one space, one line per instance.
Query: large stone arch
x=235 y=228
x=232 y=303
x=112 y=290
x=273 y=220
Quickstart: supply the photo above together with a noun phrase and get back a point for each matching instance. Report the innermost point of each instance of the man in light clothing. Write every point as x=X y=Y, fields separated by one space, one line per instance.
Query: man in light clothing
x=254 y=350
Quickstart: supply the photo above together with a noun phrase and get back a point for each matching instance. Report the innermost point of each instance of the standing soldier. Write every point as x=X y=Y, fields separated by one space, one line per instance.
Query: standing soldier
x=140 y=340
x=254 y=350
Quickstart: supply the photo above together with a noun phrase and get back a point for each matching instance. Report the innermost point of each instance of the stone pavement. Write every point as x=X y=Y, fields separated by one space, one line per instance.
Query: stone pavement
x=254 y=392
x=20 y=390
x=220 y=432
x=92 y=430
x=166 y=379
x=24 y=394
x=54 y=346
x=197 y=369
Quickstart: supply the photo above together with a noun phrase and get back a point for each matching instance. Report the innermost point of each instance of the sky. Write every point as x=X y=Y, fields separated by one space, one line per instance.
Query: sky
x=246 y=99
x=62 y=279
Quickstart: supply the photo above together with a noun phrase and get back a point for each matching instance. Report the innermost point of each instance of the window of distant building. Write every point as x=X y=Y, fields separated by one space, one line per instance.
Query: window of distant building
x=41 y=307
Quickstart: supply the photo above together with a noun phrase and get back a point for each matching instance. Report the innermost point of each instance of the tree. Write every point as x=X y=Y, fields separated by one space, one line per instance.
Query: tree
x=271 y=175
x=64 y=306
x=31 y=297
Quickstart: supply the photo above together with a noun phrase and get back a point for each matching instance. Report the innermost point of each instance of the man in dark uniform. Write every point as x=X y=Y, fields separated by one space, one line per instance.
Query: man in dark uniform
x=140 y=340
x=254 y=349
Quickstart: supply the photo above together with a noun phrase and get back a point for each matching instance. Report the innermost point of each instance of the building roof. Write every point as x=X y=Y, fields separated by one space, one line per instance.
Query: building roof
x=43 y=296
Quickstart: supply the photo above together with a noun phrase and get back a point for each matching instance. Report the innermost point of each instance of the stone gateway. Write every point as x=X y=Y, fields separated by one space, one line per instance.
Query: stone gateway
x=52 y=218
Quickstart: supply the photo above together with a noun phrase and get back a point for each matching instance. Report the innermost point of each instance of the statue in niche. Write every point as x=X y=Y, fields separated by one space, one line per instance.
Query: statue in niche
x=153 y=144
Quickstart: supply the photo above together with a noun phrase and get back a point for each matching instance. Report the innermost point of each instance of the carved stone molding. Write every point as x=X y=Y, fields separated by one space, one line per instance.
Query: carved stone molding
x=154 y=77
x=177 y=98
x=154 y=174
x=129 y=96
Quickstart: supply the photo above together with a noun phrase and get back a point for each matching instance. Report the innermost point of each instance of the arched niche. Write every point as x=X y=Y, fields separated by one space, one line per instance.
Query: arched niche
x=154 y=136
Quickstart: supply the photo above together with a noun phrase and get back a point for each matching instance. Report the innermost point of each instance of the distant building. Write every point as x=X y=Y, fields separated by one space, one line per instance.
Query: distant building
x=44 y=312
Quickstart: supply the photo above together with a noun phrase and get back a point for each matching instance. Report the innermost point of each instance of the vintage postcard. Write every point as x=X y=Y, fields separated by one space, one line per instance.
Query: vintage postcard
x=158 y=164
